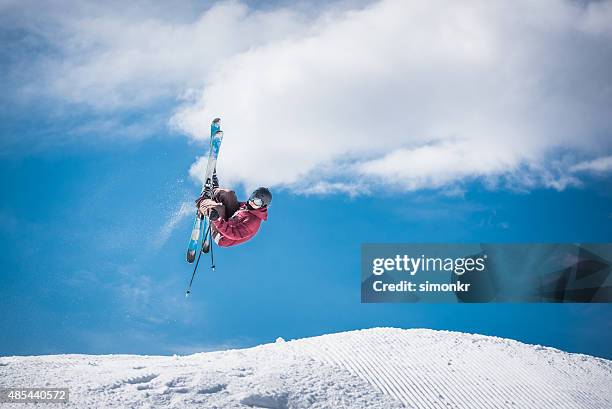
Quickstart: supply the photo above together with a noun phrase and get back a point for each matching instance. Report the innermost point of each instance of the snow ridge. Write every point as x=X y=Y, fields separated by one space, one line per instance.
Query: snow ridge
x=375 y=368
x=433 y=369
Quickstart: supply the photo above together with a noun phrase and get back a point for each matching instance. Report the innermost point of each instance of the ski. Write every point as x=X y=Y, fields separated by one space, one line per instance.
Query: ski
x=201 y=225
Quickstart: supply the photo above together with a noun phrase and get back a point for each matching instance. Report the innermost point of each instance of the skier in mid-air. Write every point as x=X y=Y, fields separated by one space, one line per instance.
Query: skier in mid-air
x=219 y=215
x=234 y=222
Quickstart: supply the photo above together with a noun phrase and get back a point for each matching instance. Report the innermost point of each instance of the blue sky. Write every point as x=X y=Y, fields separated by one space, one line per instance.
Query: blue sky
x=83 y=270
x=99 y=167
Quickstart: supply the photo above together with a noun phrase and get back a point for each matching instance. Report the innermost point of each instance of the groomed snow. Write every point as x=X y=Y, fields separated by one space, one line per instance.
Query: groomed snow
x=374 y=368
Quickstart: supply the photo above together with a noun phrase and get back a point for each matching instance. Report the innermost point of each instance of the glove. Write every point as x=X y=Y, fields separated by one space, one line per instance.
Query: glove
x=207 y=206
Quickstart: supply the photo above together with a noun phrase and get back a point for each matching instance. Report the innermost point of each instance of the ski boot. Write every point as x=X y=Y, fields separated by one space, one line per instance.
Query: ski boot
x=208 y=190
x=206 y=194
x=215 y=180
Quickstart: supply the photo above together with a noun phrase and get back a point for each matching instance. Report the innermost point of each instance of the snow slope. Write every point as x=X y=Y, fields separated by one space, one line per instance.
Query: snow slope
x=374 y=368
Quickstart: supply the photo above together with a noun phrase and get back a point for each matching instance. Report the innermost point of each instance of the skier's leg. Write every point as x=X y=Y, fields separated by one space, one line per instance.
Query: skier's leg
x=229 y=200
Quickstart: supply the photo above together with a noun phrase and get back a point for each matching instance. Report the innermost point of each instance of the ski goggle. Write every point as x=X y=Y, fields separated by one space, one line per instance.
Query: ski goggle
x=257 y=201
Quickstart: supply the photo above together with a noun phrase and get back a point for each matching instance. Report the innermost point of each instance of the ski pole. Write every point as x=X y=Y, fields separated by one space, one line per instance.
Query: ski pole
x=212 y=257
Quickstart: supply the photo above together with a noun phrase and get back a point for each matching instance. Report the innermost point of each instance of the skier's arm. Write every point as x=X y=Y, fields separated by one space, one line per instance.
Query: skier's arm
x=233 y=229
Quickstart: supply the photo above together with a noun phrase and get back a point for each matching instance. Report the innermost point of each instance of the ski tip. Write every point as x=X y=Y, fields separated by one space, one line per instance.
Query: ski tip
x=216 y=120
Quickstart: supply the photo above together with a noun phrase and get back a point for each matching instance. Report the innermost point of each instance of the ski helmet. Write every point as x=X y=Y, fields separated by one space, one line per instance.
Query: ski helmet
x=261 y=195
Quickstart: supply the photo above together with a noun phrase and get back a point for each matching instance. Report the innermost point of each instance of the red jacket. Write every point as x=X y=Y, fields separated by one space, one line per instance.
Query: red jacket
x=242 y=226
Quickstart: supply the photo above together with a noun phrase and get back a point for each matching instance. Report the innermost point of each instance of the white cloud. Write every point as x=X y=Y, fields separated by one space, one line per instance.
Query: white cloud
x=599 y=165
x=440 y=164
x=110 y=60
x=324 y=188
x=415 y=95
x=408 y=94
